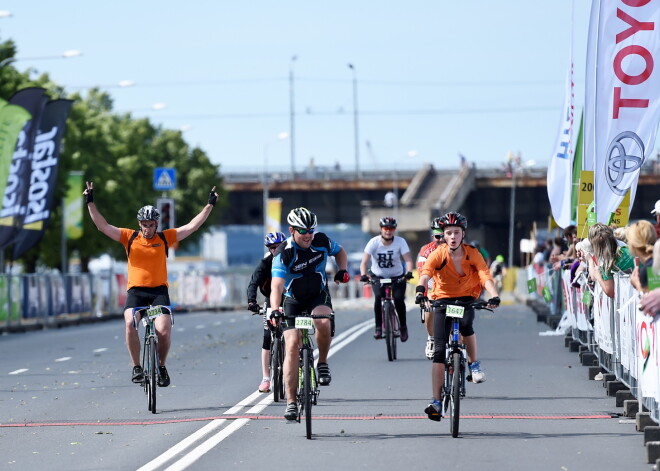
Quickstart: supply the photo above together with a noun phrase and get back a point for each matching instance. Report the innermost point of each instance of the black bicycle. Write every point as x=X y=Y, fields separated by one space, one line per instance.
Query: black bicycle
x=308 y=390
x=389 y=316
x=276 y=356
x=455 y=360
x=148 y=314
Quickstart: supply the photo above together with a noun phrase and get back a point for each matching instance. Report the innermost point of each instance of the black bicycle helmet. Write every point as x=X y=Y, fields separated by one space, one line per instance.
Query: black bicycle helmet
x=452 y=219
x=436 y=226
x=148 y=213
x=388 y=221
x=273 y=238
x=301 y=217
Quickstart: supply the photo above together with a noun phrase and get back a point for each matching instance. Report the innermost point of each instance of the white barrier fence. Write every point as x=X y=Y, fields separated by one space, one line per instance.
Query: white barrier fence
x=625 y=341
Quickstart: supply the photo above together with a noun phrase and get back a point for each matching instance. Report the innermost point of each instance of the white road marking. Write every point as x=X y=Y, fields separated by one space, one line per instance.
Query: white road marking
x=339 y=342
x=62 y=359
x=16 y=372
x=99 y=350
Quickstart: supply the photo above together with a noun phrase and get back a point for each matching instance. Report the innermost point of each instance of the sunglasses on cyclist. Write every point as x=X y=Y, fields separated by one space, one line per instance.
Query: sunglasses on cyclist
x=302 y=231
x=273 y=246
x=439 y=236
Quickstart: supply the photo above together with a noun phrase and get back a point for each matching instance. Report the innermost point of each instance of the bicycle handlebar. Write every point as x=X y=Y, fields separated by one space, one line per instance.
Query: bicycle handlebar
x=468 y=304
x=142 y=309
x=393 y=280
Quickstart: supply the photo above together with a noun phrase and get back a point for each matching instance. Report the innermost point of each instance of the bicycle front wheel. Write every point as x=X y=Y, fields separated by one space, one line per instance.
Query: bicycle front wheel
x=388 y=313
x=307 y=390
x=276 y=367
x=150 y=373
x=455 y=394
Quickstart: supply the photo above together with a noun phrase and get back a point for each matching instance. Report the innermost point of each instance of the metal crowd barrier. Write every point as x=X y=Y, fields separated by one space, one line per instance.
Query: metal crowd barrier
x=625 y=341
x=49 y=300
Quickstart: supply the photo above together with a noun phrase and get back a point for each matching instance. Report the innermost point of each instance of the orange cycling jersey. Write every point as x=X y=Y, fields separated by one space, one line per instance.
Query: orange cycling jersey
x=447 y=283
x=147 y=262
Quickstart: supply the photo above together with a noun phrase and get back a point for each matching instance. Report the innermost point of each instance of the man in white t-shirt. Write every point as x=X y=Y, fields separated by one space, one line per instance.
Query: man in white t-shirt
x=385 y=252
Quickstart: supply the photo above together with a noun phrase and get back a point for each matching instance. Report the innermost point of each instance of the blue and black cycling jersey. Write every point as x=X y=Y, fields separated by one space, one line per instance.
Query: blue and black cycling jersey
x=303 y=270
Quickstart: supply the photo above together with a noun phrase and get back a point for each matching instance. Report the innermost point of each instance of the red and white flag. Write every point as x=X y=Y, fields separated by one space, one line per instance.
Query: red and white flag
x=622 y=102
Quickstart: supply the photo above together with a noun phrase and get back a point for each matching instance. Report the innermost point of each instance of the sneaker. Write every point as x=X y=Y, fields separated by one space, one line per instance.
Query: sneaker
x=291 y=412
x=324 y=374
x=430 y=348
x=404 y=333
x=434 y=410
x=478 y=376
x=264 y=387
x=138 y=374
x=163 y=377
x=378 y=333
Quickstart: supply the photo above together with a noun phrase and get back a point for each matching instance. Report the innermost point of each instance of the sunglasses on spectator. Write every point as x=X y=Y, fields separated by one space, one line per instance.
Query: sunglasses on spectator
x=302 y=231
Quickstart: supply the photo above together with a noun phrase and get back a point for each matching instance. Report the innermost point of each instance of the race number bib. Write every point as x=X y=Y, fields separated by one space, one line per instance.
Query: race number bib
x=455 y=311
x=154 y=312
x=304 y=323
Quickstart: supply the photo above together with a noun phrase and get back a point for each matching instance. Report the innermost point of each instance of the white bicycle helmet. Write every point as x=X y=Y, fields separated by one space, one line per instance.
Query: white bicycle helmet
x=301 y=217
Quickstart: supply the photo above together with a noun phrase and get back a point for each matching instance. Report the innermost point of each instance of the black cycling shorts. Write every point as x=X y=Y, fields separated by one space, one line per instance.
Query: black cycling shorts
x=295 y=307
x=139 y=296
x=442 y=326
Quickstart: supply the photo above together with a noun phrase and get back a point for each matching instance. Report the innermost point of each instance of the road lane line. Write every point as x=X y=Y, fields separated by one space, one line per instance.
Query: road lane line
x=16 y=372
x=62 y=359
x=99 y=350
x=341 y=341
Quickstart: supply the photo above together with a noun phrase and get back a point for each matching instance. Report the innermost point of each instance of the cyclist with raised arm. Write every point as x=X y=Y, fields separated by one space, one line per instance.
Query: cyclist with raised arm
x=299 y=274
x=385 y=252
x=459 y=272
x=424 y=252
x=261 y=280
x=146 y=252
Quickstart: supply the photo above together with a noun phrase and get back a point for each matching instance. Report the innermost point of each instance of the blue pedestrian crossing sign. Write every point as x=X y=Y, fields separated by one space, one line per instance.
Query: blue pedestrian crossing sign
x=164 y=178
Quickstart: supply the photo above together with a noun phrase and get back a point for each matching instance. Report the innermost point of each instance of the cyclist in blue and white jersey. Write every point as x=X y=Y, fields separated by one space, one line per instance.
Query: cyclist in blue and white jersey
x=299 y=274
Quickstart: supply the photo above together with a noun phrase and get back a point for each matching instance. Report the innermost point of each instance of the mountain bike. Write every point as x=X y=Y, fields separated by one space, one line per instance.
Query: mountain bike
x=389 y=316
x=276 y=356
x=455 y=360
x=308 y=390
x=148 y=314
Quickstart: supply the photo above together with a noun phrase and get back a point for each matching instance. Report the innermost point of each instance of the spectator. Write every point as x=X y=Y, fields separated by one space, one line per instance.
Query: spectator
x=641 y=237
x=484 y=253
x=609 y=255
x=656 y=211
x=650 y=303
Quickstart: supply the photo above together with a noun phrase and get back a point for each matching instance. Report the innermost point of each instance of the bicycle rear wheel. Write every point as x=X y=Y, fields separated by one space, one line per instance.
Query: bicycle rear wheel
x=307 y=391
x=276 y=367
x=389 y=332
x=455 y=394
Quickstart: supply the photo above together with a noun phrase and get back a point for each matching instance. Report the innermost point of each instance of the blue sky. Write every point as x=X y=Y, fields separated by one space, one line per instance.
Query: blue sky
x=435 y=78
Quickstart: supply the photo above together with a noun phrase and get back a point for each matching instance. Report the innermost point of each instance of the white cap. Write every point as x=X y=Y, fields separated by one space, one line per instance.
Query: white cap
x=656 y=210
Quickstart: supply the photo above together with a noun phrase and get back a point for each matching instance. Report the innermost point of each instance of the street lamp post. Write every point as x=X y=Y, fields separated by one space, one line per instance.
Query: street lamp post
x=64 y=55
x=265 y=183
x=512 y=210
x=292 y=118
x=355 y=122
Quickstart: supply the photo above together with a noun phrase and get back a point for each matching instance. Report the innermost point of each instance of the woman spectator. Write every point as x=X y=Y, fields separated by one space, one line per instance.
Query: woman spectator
x=641 y=237
x=609 y=255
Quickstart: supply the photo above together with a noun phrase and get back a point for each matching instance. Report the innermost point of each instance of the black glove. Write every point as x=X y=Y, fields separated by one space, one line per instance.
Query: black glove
x=365 y=278
x=494 y=301
x=253 y=306
x=89 y=195
x=420 y=297
x=342 y=276
x=409 y=276
x=213 y=197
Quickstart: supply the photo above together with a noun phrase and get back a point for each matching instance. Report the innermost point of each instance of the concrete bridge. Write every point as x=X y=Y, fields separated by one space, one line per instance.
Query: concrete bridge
x=482 y=195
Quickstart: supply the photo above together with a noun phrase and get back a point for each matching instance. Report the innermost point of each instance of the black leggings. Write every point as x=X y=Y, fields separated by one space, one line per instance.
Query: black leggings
x=442 y=326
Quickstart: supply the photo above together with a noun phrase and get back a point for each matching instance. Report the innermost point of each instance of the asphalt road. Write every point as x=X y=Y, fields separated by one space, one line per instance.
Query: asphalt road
x=66 y=402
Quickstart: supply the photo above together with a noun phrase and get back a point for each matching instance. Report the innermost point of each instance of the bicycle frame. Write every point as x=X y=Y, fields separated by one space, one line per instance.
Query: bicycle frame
x=150 y=361
x=389 y=317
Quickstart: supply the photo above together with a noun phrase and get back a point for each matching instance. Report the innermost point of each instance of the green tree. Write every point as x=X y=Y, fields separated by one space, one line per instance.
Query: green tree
x=119 y=154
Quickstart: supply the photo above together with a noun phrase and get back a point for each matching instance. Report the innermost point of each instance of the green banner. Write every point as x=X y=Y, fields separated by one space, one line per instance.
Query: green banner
x=547 y=295
x=531 y=285
x=73 y=206
x=12 y=120
x=577 y=169
x=653 y=278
